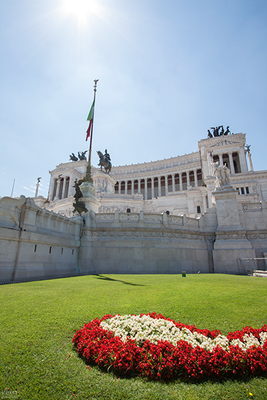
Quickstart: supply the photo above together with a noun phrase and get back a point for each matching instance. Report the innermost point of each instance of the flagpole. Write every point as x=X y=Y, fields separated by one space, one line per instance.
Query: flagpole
x=91 y=136
x=88 y=177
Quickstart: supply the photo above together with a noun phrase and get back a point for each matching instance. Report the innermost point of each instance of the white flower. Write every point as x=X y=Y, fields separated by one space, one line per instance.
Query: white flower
x=147 y=328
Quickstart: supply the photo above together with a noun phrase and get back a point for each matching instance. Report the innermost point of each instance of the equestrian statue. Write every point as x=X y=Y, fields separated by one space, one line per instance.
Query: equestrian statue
x=104 y=161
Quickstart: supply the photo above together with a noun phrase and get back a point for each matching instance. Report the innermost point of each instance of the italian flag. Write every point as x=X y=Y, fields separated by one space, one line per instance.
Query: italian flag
x=90 y=119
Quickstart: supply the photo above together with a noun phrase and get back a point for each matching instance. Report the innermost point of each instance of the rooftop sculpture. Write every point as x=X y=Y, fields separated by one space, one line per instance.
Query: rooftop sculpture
x=218 y=131
x=81 y=156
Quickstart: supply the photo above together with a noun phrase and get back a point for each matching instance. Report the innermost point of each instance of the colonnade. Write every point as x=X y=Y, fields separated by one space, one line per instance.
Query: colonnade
x=160 y=185
x=61 y=187
x=235 y=161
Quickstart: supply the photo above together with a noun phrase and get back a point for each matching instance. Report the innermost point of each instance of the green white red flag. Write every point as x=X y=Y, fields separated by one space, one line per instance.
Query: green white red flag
x=90 y=119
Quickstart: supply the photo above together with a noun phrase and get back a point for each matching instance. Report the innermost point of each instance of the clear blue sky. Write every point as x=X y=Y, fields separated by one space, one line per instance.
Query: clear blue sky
x=168 y=70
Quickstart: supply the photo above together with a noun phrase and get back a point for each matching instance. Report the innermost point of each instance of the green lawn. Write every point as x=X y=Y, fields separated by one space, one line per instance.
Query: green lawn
x=39 y=319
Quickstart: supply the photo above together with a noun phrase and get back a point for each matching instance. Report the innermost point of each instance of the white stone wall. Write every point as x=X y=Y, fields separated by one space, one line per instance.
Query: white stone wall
x=38 y=244
x=143 y=243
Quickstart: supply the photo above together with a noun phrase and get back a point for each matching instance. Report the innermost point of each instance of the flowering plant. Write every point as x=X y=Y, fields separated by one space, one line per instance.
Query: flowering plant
x=160 y=348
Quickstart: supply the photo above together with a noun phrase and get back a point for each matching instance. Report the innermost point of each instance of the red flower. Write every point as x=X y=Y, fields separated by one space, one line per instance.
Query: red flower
x=166 y=361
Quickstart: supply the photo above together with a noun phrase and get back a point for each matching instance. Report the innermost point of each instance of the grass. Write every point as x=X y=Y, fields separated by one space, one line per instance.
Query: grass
x=39 y=319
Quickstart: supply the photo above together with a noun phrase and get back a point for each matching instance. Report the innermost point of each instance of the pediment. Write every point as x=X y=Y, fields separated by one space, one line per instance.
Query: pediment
x=225 y=142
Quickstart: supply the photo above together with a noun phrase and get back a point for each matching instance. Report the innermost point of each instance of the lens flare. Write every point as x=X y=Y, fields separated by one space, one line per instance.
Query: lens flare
x=80 y=9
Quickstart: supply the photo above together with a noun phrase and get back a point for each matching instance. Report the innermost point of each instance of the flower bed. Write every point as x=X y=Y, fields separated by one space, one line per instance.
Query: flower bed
x=156 y=347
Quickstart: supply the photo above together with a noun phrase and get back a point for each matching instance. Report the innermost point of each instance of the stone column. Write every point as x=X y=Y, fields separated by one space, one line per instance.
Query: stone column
x=195 y=177
x=180 y=180
x=132 y=183
x=232 y=167
x=187 y=179
x=152 y=188
x=173 y=183
x=52 y=189
x=250 y=162
x=243 y=161
x=145 y=188
x=119 y=190
x=221 y=159
x=64 y=187
x=58 y=186
x=139 y=185
x=159 y=186
x=166 y=185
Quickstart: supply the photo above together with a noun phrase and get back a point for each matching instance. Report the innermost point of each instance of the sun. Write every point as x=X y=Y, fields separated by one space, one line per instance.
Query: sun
x=80 y=9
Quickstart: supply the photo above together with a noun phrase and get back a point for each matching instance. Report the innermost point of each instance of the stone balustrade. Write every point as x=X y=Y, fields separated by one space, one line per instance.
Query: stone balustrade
x=165 y=220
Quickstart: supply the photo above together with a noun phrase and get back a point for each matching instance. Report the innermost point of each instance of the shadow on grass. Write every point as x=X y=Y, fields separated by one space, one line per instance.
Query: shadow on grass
x=105 y=278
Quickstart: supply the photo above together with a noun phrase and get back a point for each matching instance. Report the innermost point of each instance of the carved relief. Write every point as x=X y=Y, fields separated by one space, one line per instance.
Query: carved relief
x=175 y=219
x=252 y=206
x=186 y=235
x=258 y=235
x=225 y=143
x=192 y=222
x=153 y=217
x=105 y=217
x=129 y=217
x=231 y=236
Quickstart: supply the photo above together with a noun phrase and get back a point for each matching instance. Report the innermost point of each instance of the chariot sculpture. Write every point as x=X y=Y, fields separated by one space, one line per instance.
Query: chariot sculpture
x=218 y=131
x=81 y=156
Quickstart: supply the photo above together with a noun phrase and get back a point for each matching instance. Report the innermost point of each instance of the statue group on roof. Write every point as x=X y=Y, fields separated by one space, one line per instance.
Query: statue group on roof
x=218 y=131
x=81 y=156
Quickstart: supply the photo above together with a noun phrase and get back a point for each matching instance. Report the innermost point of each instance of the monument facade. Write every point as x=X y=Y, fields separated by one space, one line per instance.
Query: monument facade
x=200 y=212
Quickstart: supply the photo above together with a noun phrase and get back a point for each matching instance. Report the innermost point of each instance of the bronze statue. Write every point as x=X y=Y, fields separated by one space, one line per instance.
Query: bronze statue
x=78 y=205
x=82 y=155
x=73 y=157
x=209 y=134
x=227 y=130
x=215 y=131
x=218 y=131
x=221 y=130
x=104 y=161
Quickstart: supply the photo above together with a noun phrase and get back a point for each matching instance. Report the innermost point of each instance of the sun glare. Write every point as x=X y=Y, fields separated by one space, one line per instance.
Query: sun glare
x=80 y=9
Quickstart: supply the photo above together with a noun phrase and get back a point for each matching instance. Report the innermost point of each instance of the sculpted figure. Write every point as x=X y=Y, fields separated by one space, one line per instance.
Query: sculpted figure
x=218 y=131
x=247 y=148
x=78 y=205
x=222 y=130
x=82 y=155
x=73 y=157
x=215 y=131
x=107 y=156
x=227 y=131
x=209 y=134
x=104 y=161
x=226 y=176
x=222 y=175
